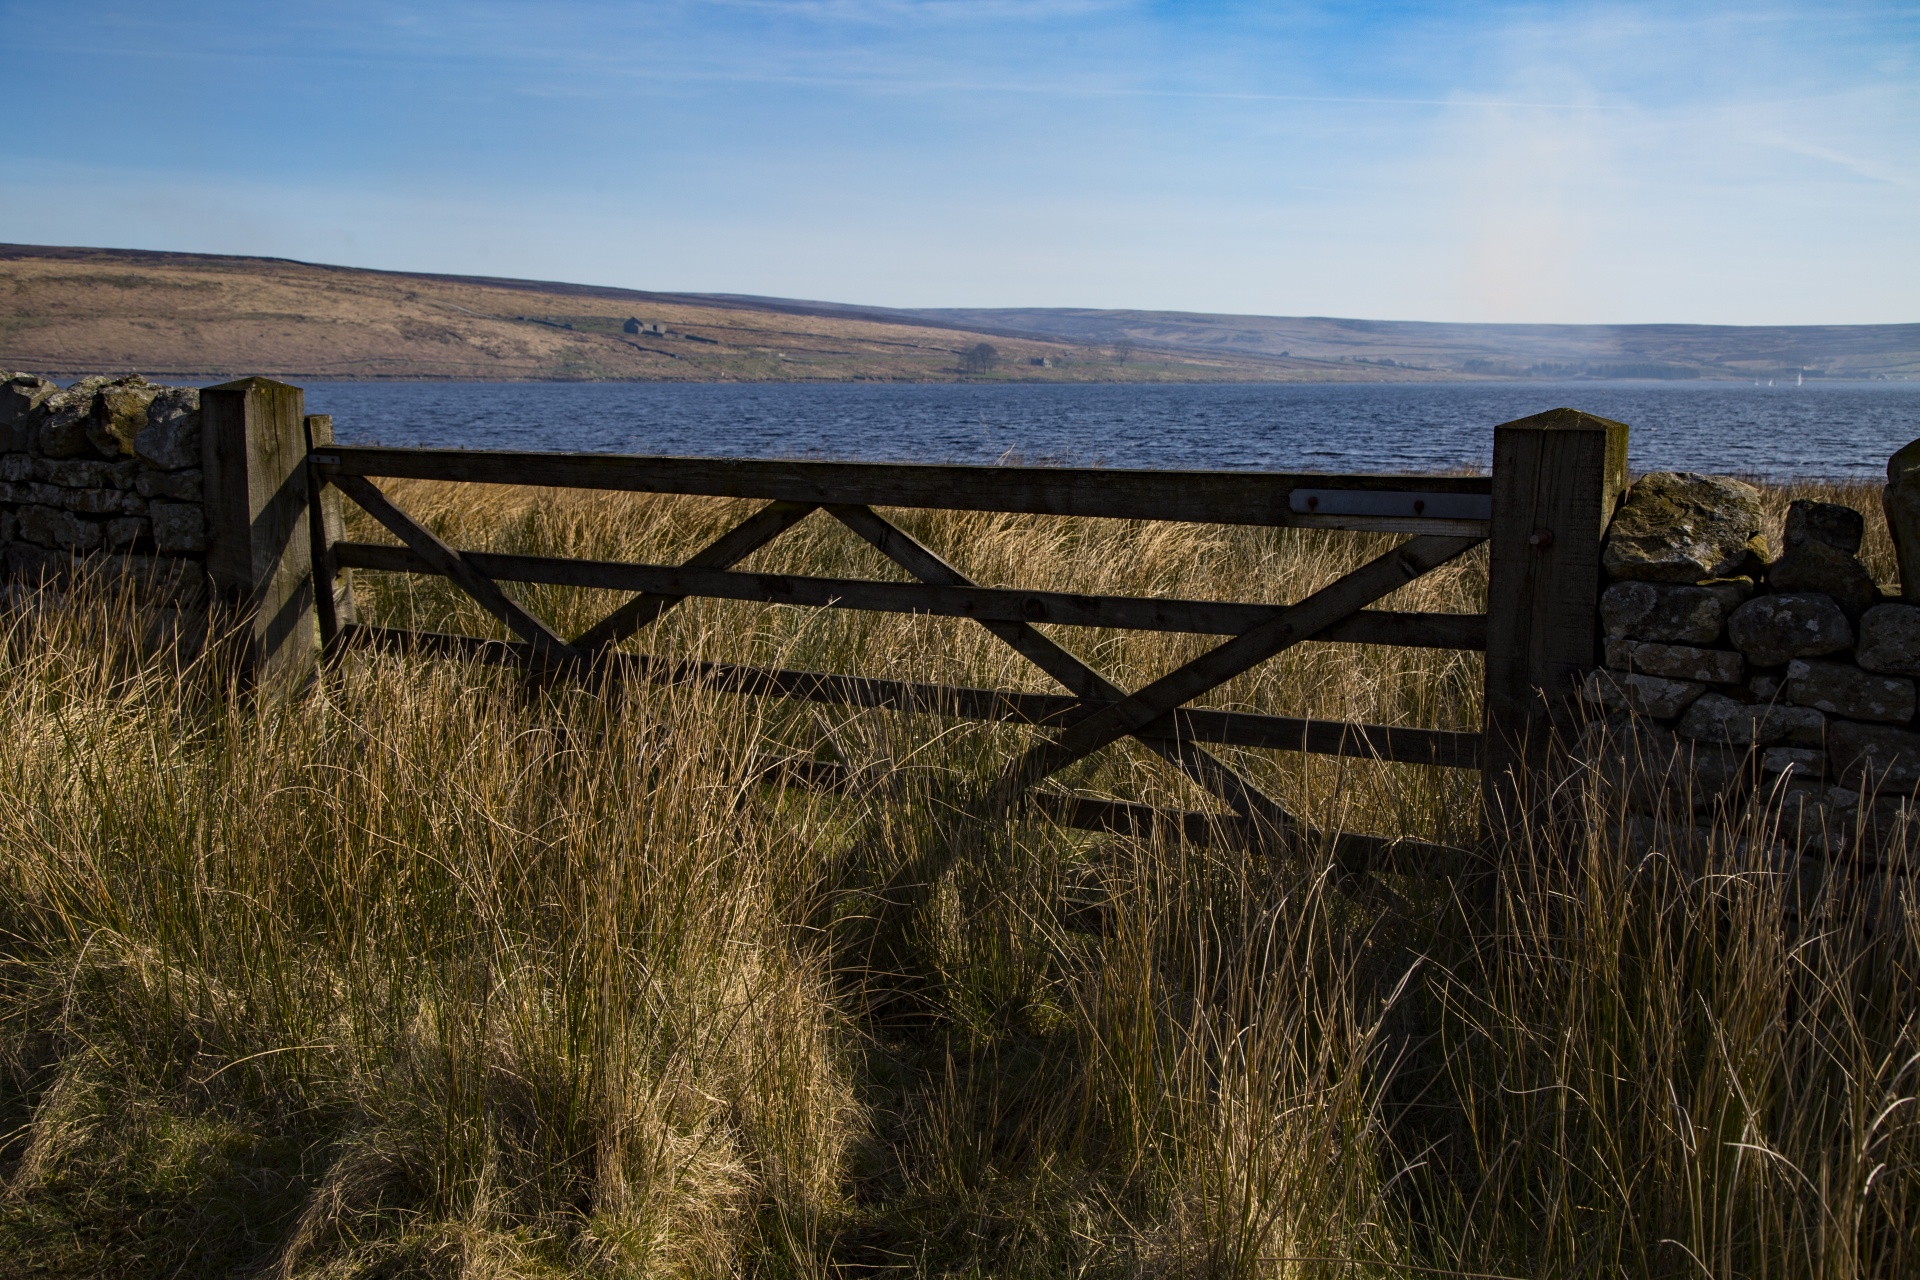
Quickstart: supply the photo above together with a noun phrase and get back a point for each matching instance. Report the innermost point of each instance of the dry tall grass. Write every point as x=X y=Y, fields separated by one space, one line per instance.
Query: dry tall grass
x=430 y=972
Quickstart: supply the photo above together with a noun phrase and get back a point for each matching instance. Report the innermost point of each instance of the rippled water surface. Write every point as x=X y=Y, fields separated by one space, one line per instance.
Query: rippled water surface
x=1835 y=429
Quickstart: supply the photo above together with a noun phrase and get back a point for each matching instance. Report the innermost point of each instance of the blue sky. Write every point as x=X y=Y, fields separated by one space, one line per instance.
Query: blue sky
x=1727 y=163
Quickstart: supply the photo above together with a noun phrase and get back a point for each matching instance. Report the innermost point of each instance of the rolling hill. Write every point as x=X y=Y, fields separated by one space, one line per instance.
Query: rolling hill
x=75 y=311
x=80 y=310
x=1498 y=350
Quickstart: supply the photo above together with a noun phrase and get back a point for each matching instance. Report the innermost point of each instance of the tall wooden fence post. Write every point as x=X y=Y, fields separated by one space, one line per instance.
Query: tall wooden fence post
x=1556 y=479
x=253 y=444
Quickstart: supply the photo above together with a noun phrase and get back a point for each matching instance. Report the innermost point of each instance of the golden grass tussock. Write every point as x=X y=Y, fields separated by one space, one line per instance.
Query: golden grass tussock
x=430 y=970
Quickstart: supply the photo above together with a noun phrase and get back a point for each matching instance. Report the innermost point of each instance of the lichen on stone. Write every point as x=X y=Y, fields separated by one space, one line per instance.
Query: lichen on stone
x=1678 y=526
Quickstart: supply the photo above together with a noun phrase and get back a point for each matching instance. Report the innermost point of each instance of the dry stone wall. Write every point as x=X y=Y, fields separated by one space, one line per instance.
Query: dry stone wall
x=106 y=472
x=1732 y=675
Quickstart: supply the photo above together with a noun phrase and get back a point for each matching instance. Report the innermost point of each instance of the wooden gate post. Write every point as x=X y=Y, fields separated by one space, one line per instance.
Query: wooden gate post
x=1557 y=477
x=333 y=586
x=253 y=447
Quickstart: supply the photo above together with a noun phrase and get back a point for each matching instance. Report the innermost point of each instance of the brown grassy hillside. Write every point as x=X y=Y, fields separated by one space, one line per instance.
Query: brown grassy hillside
x=77 y=311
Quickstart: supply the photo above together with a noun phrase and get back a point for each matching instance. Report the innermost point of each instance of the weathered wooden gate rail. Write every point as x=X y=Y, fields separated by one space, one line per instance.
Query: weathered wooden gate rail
x=1543 y=510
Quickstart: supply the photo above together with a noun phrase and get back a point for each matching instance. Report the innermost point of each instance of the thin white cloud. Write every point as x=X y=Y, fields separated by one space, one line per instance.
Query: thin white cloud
x=1872 y=170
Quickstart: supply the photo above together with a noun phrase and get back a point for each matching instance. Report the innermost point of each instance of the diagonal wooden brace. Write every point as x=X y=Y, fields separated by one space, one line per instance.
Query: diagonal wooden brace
x=1192 y=759
x=547 y=644
x=745 y=538
x=1318 y=611
x=925 y=564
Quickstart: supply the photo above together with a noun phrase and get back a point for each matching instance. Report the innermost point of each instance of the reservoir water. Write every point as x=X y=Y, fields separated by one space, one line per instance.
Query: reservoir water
x=1833 y=430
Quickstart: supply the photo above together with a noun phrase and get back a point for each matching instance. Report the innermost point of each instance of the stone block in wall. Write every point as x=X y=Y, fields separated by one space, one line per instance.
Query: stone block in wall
x=1676 y=661
x=170 y=441
x=28 y=563
x=1771 y=630
x=182 y=486
x=103 y=502
x=1841 y=689
x=1837 y=525
x=21 y=396
x=15 y=467
x=25 y=491
x=1764 y=688
x=1814 y=566
x=127 y=531
x=63 y=530
x=1890 y=640
x=119 y=414
x=1653 y=696
x=77 y=473
x=1901 y=501
x=1798 y=764
x=1682 y=527
x=1730 y=592
x=1663 y=612
x=62 y=432
x=1724 y=721
x=178 y=527
x=1877 y=757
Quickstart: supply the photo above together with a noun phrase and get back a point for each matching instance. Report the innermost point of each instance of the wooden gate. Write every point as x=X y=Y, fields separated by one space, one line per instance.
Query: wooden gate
x=1555 y=480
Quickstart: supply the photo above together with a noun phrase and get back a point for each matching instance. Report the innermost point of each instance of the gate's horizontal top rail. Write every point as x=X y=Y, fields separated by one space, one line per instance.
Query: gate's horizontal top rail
x=1200 y=497
x=988 y=604
x=1226 y=728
